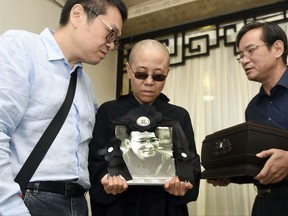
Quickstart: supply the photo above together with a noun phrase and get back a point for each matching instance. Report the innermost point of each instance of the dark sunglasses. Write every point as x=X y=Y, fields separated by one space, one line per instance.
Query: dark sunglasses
x=144 y=76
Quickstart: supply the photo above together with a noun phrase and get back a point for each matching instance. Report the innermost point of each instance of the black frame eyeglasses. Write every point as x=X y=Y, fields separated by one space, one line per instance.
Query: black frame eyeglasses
x=112 y=35
x=248 y=53
x=144 y=141
x=143 y=75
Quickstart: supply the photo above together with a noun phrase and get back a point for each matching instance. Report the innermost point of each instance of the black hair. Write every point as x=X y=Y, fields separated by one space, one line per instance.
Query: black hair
x=271 y=32
x=98 y=6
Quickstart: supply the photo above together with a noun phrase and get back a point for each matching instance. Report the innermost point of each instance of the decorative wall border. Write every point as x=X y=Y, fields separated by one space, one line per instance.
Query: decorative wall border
x=182 y=40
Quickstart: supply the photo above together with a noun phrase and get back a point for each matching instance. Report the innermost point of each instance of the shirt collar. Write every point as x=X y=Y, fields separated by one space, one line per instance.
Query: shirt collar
x=53 y=50
x=283 y=82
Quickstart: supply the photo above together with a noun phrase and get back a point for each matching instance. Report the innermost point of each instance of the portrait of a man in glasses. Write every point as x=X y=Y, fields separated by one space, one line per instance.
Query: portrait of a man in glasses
x=147 y=160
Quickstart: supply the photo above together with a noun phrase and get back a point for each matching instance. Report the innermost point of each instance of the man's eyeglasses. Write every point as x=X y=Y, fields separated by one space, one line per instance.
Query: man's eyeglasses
x=152 y=140
x=144 y=76
x=248 y=53
x=112 y=35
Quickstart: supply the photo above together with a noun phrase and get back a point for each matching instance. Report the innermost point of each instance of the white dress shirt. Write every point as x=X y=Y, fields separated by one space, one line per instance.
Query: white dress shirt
x=34 y=79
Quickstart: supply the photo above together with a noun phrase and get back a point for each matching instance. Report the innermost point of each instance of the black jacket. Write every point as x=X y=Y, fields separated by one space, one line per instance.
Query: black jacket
x=137 y=200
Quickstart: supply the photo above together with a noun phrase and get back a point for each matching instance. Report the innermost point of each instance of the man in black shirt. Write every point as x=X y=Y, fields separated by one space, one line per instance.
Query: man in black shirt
x=263 y=56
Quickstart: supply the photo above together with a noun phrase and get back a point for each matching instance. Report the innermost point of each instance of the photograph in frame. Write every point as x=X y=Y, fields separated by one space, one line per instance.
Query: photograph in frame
x=147 y=155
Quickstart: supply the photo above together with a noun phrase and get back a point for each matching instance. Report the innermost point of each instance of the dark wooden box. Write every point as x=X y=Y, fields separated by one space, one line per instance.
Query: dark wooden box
x=231 y=152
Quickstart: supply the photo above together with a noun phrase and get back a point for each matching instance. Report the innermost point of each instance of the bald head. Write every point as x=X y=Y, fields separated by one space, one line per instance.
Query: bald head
x=149 y=44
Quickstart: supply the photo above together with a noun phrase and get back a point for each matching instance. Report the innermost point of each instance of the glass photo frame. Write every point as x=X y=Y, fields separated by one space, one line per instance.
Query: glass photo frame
x=147 y=155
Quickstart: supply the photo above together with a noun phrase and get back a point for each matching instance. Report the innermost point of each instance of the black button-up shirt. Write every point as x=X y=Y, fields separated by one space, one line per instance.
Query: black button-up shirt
x=271 y=109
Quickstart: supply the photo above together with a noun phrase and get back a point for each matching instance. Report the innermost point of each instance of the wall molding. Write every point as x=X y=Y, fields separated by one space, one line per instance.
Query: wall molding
x=196 y=39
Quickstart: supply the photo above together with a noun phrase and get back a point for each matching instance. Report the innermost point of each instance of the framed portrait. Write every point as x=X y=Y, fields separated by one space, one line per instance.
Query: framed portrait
x=147 y=155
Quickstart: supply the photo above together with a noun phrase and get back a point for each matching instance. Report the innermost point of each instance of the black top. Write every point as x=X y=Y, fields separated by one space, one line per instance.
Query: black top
x=271 y=109
x=137 y=200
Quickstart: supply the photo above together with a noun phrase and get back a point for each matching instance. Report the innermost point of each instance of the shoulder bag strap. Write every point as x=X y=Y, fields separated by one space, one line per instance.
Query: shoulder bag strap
x=39 y=151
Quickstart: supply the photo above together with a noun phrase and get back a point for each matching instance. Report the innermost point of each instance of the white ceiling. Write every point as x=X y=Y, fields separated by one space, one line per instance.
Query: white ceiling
x=152 y=15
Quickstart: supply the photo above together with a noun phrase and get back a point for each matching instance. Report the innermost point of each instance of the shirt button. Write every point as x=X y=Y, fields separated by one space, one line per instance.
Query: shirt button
x=271 y=102
x=269 y=119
